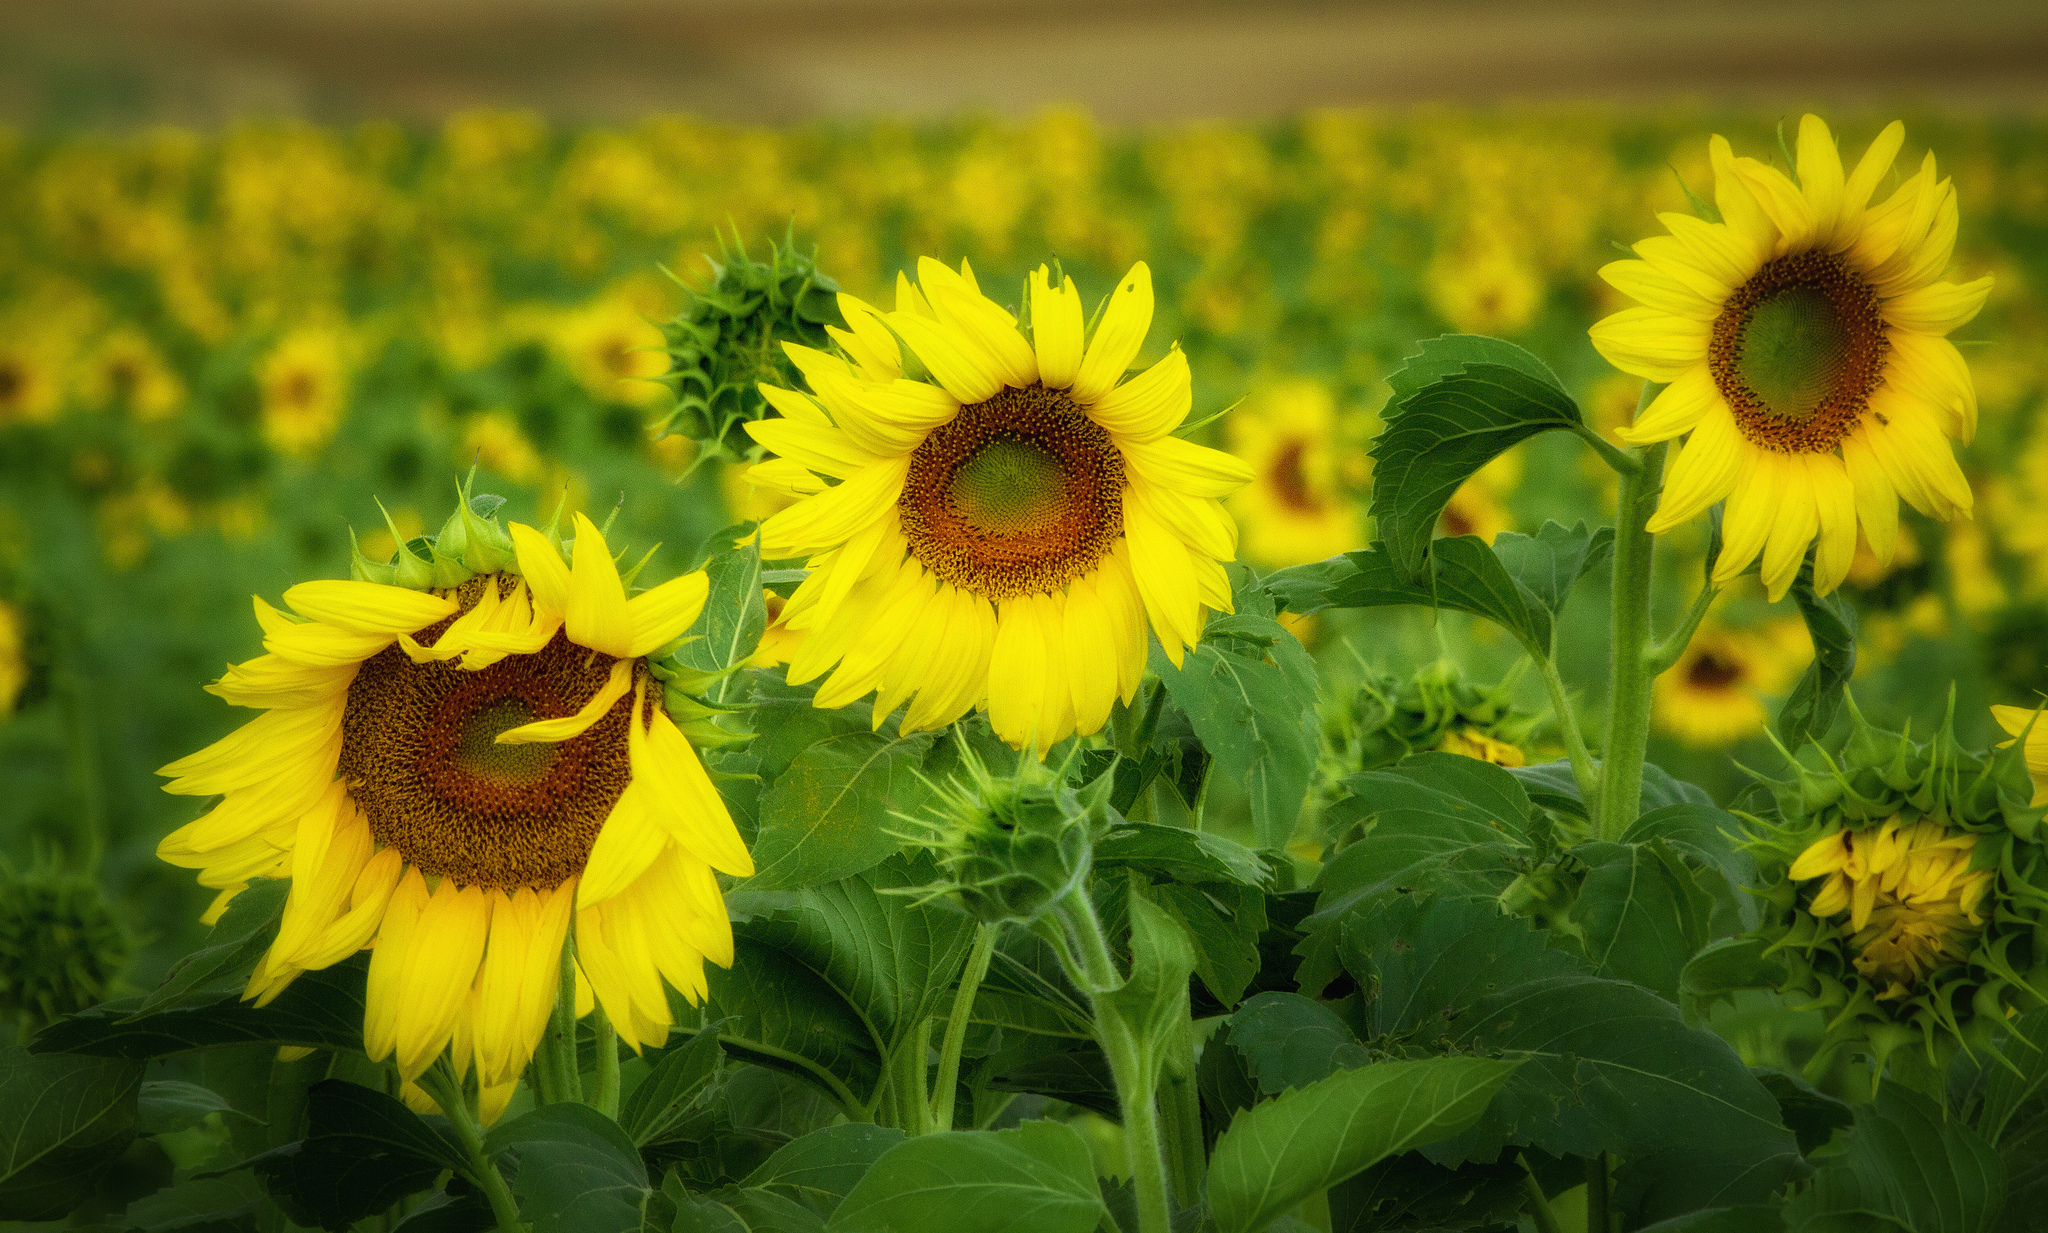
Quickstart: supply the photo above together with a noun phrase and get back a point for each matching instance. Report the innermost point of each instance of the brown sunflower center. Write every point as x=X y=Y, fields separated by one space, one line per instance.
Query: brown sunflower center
x=420 y=756
x=1289 y=479
x=1797 y=351
x=1020 y=494
x=1711 y=671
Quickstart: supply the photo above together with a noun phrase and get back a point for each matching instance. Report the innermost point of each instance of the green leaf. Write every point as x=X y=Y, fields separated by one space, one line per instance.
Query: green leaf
x=1309 y=1139
x=768 y=1211
x=441 y=1212
x=1154 y=1000
x=1750 y=1218
x=734 y=615
x=829 y=814
x=168 y=1105
x=779 y=1012
x=1643 y=912
x=1816 y=699
x=1548 y=563
x=321 y=1010
x=238 y=940
x=576 y=1171
x=1408 y=1192
x=1456 y=406
x=1181 y=854
x=1249 y=692
x=1711 y=839
x=363 y=1151
x=1812 y=1115
x=1289 y=1041
x=1464 y=575
x=1428 y=958
x=1037 y=1178
x=1223 y=922
x=1306 y=589
x=692 y=1213
x=2024 y=1075
x=213 y=1205
x=823 y=1167
x=1905 y=1163
x=1722 y=968
x=66 y=1119
x=668 y=1092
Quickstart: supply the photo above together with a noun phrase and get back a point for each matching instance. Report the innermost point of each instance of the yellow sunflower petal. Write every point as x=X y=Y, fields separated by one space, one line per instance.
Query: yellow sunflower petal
x=447 y=948
x=660 y=615
x=980 y=324
x=1877 y=502
x=1118 y=335
x=1677 y=409
x=1746 y=523
x=827 y=520
x=1017 y=672
x=826 y=450
x=540 y=564
x=1118 y=590
x=273 y=742
x=1091 y=655
x=595 y=615
x=368 y=607
x=317 y=645
x=1166 y=581
x=1794 y=523
x=790 y=478
x=1937 y=309
x=1780 y=200
x=1056 y=329
x=1835 y=502
x=1823 y=856
x=959 y=672
x=274 y=681
x=867 y=340
x=1653 y=345
x=1644 y=283
x=1150 y=405
x=1820 y=178
x=680 y=797
x=959 y=367
x=385 y=990
x=626 y=845
x=552 y=731
x=369 y=897
x=1194 y=470
x=1711 y=255
x=1934 y=370
x=1738 y=207
x=1871 y=170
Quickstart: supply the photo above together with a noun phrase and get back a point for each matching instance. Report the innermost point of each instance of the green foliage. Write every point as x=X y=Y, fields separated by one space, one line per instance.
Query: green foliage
x=61 y=945
x=67 y=1119
x=1816 y=699
x=822 y=817
x=363 y=1152
x=1036 y=1177
x=574 y=1170
x=321 y=1010
x=1904 y=1165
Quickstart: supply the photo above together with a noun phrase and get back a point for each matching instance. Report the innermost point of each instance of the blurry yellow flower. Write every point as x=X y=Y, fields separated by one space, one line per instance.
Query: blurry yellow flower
x=1471 y=743
x=1484 y=285
x=127 y=372
x=494 y=440
x=13 y=657
x=1473 y=510
x=30 y=389
x=610 y=347
x=1973 y=580
x=304 y=386
x=1295 y=509
x=1866 y=571
x=1713 y=695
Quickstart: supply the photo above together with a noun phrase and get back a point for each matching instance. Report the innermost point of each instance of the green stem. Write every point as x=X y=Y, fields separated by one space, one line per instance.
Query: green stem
x=441 y=1083
x=1583 y=770
x=1667 y=652
x=1180 y=1116
x=1096 y=973
x=1598 y=1220
x=909 y=1105
x=1628 y=708
x=1538 y=1206
x=560 y=1078
x=606 y=1099
x=1624 y=464
x=947 y=1084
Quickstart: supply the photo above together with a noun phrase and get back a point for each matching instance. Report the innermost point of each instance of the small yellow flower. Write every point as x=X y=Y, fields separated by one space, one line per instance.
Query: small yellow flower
x=1474 y=744
x=1913 y=900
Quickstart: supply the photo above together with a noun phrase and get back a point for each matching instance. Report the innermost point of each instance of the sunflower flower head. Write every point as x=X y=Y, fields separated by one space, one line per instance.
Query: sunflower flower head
x=1905 y=891
x=460 y=750
x=61 y=945
x=1802 y=340
x=1002 y=529
x=1009 y=848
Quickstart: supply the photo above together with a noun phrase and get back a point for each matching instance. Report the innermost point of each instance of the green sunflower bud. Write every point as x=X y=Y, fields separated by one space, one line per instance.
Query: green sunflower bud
x=728 y=340
x=1387 y=719
x=470 y=542
x=61 y=946
x=1909 y=901
x=1011 y=848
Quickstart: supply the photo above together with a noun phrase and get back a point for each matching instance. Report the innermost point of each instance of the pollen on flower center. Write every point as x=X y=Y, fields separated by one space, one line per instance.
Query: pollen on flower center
x=1797 y=351
x=1018 y=494
x=419 y=754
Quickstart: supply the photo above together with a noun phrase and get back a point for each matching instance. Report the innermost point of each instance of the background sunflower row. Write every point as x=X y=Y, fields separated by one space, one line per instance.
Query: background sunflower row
x=218 y=352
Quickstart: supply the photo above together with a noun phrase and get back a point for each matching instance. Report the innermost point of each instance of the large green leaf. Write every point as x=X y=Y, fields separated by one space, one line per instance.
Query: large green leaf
x=1223 y=922
x=1037 y=1178
x=1249 y=692
x=822 y=1168
x=238 y=940
x=1550 y=562
x=734 y=615
x=213 y=1205
x=2022 y=1076
x=575 y=1170
x=1428 y=958
x=1709 y=838
x=679 y=1077
x=1288 y=1041
x=1906 y=1166
x=1408 y=1192
x=166 y=1106
x=62 y=1121
x=1180 y=854
x=1464 y=575
x=1456 y=406
x=1311 y=1138
x=321 y=1010
x=363 y=1151
x=778 y=1011
x=829 y=814
x=1816 y=699
x=1643 y=912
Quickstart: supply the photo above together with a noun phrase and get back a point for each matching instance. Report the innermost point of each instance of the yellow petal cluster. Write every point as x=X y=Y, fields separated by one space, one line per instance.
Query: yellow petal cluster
x=1912 y=898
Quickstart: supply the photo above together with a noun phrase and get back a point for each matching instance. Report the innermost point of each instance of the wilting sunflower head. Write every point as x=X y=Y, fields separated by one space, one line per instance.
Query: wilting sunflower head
x=61 y=945
x=1905 y=891
x=1002 y=527
x=1801 y=337
x=1010 y=848
x=460 y=748
x=1387 y=718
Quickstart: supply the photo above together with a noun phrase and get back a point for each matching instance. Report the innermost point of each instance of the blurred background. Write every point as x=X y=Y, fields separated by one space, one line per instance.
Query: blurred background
x=273 y=272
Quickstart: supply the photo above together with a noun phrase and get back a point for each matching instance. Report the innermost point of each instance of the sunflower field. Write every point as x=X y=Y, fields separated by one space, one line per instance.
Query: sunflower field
x=1382 y=671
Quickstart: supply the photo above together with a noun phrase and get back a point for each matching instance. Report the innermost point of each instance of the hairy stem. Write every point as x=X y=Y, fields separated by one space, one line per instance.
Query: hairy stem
x=1583 y=771
x=1667 y=652
x=606 y=1098
x=1628 y=710
x=441 y=1083
x=1136 y=1075
x=911 y=1105
x=947 y=1083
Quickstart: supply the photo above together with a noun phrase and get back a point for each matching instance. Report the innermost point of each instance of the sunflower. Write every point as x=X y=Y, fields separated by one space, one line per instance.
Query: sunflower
x=1295 y=510
x=1004 y=529
x=448 y=774
x=1713 y=695
x=1802 y=340
x=304 y=384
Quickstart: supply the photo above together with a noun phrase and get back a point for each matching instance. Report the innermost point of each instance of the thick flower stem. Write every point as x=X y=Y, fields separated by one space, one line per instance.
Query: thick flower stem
x=446 y=1089
x=559 y=1077
x=1180 y=1114
x=947 y=1083
x=1598 y=1219
x=906 y=1103
x=1136 y=1075
x=1628 y=708
x=606 y=1098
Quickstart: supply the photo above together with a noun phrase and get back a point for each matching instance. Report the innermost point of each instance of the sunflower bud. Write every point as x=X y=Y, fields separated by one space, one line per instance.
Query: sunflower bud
x=471 y=542
x=1909 y=902
x=1387 y=719
x=1011 y=848
x=61 y=946
x=728 y=340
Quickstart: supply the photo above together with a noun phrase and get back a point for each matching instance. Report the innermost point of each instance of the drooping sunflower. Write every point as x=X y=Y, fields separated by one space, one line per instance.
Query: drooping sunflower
x=447 y=771
x=1802 y=337
x=1004 y=529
